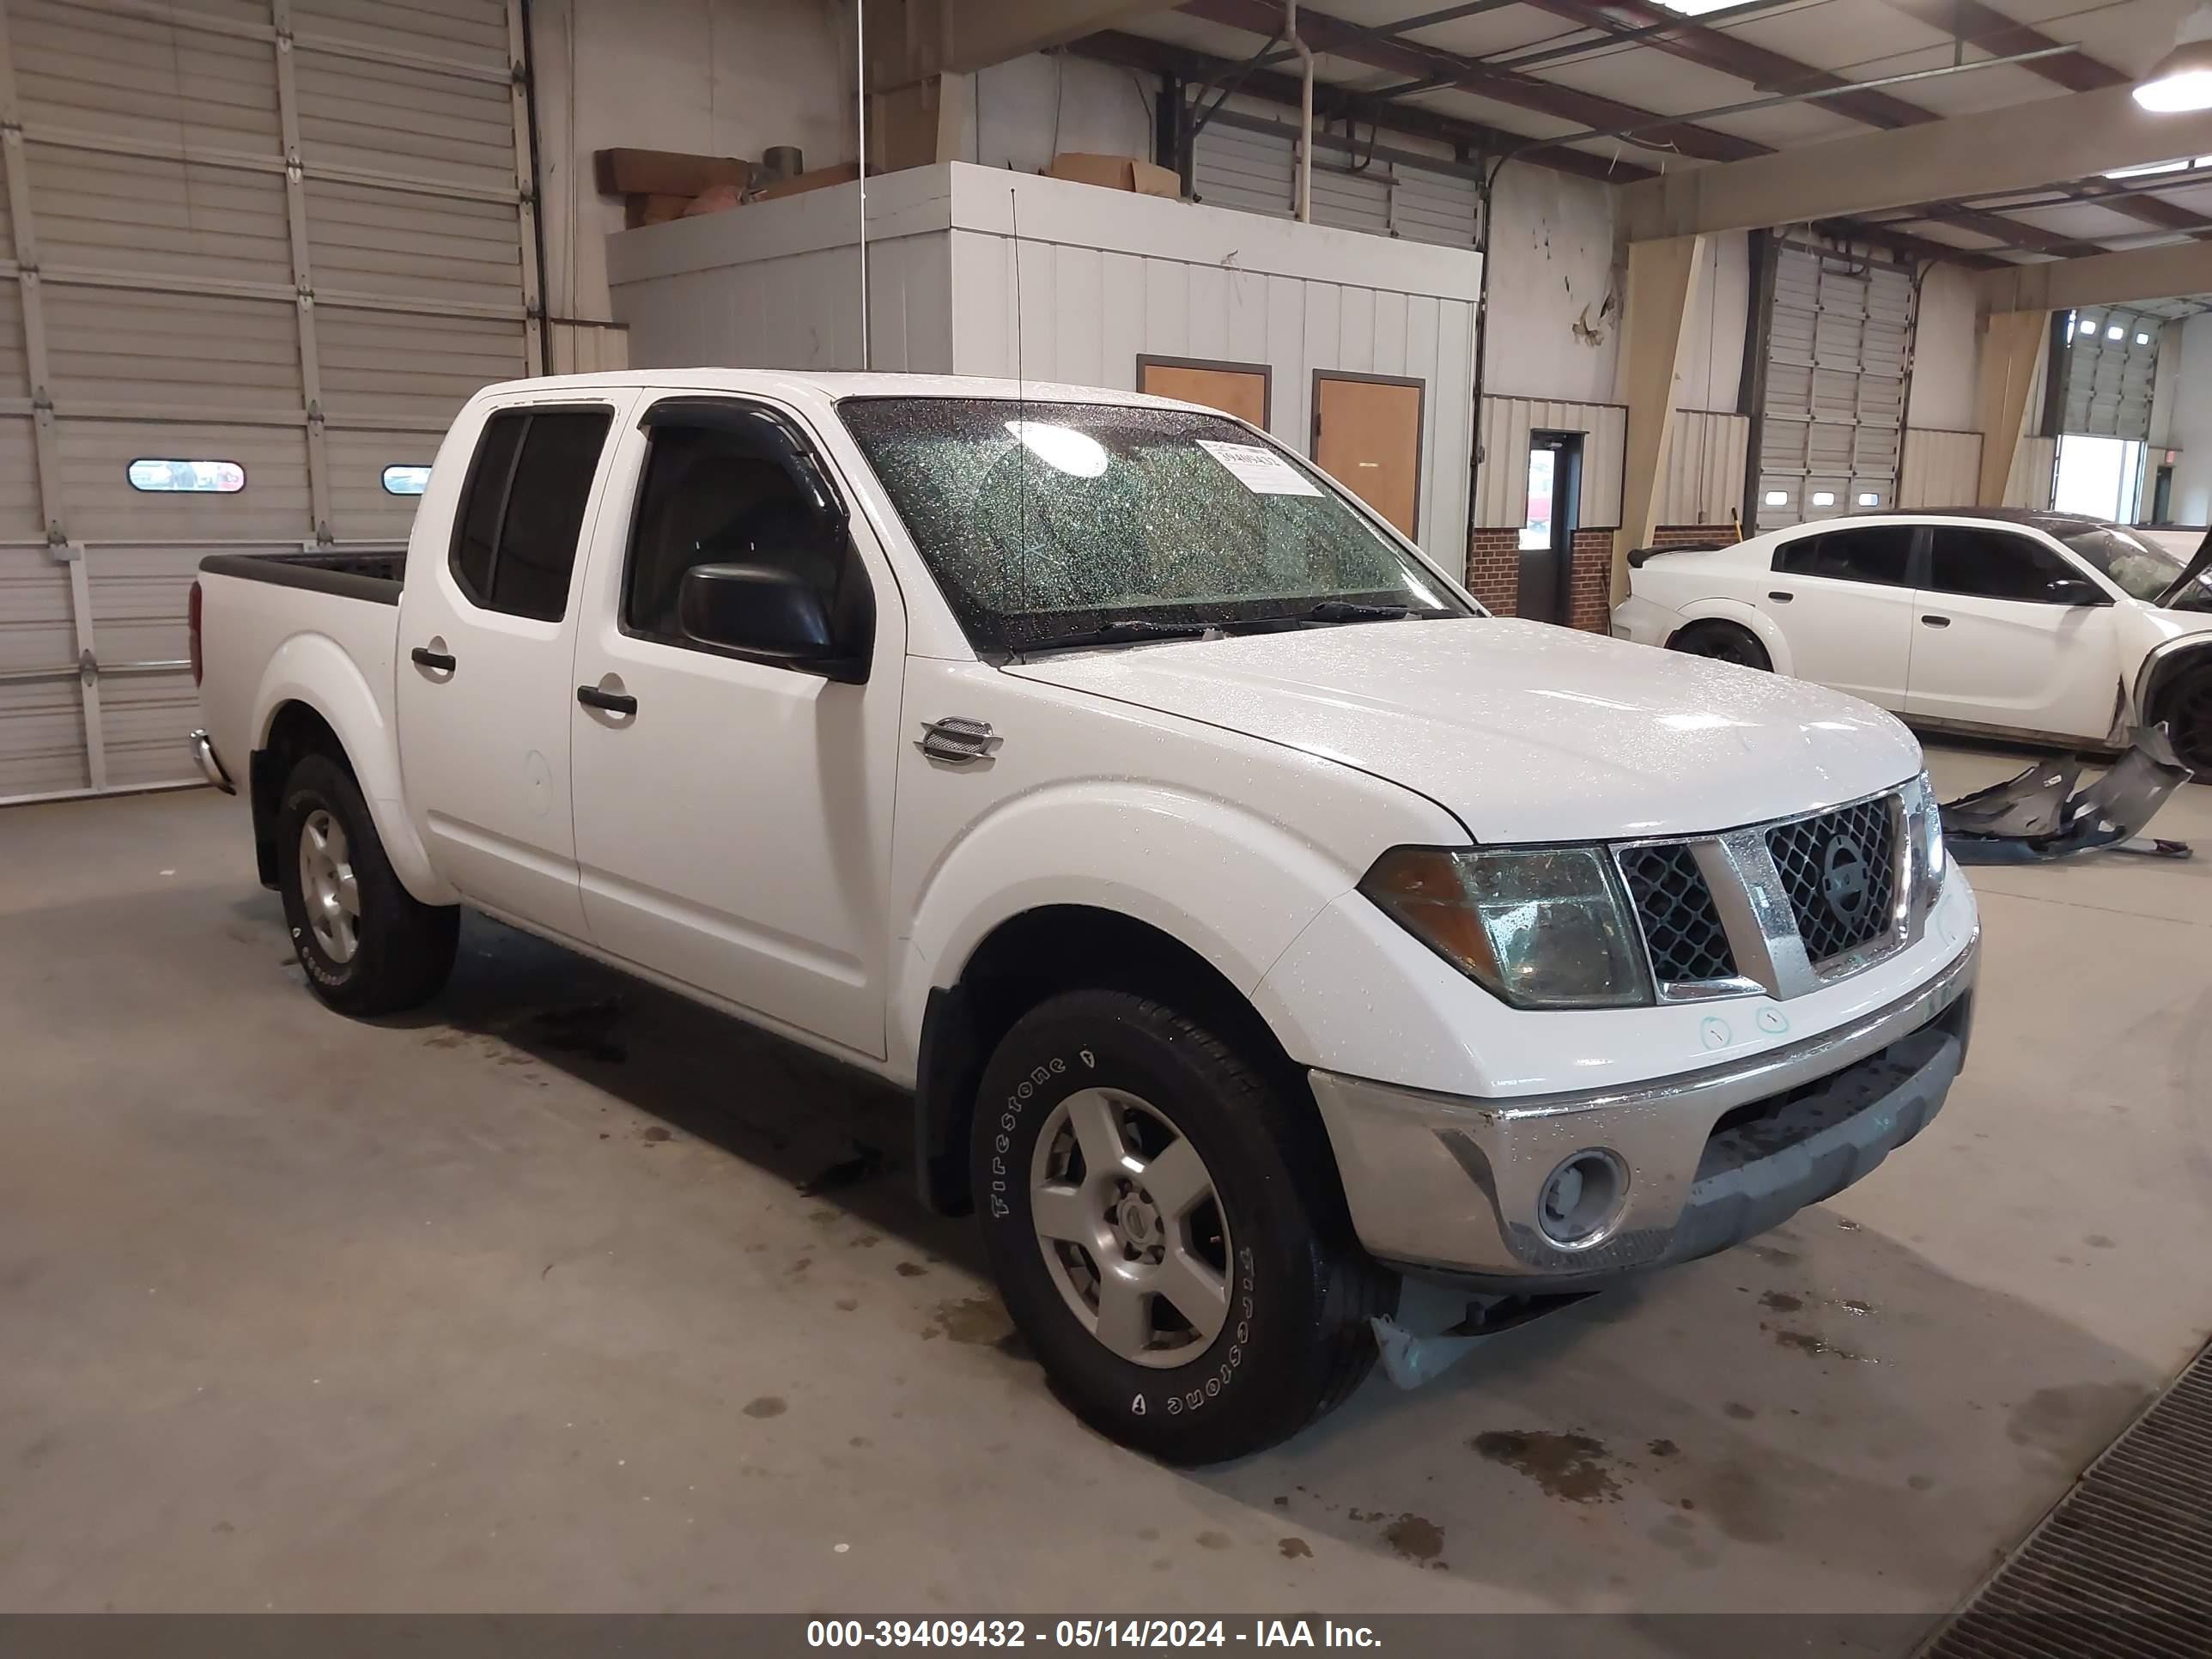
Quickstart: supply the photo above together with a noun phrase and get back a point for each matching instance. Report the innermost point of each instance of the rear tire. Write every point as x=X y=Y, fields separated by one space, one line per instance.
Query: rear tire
x=2185 y=709
x=368 y=946
x=1722 y=641
x=1214 y=1300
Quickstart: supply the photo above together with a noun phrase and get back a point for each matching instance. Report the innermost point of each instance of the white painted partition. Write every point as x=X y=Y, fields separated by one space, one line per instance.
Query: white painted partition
x=1105 y=277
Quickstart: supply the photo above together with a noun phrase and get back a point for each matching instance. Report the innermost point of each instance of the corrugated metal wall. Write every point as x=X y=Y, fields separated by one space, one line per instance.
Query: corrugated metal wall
x=1501 y=480
x=1942 y=469
x=1088 y=314
x=1704 y=468
x=1257 y=172
x=286 y=236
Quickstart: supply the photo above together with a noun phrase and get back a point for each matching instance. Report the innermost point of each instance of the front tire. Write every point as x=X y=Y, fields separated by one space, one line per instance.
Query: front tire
x=1724 y=642
x=367 y=946
x=2185 y=709
x=1167 y=1231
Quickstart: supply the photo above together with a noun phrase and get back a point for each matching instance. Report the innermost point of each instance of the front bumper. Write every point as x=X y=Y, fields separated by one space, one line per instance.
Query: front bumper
x=1451 y=1187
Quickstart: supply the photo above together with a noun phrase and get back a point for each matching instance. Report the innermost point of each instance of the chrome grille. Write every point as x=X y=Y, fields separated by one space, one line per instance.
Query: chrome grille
x=1838 y=871
x=1682 y=928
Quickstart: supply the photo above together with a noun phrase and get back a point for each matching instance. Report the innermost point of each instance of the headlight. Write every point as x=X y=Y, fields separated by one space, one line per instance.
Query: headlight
x=1541 y=929
x=1924 y=822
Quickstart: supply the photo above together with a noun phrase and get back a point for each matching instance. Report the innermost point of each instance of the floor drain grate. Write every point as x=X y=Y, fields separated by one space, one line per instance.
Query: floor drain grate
x=2122 y=1566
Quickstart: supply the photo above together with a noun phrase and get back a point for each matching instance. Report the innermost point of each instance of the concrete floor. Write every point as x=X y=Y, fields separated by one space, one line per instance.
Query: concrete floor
x=516 y=1306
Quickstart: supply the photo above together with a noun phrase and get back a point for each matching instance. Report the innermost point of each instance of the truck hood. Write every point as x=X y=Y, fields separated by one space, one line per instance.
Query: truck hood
x=1524 y=731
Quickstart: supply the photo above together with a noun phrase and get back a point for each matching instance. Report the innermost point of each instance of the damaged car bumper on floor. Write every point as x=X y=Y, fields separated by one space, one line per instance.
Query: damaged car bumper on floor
x=2038 y=814
x=1565 y=1193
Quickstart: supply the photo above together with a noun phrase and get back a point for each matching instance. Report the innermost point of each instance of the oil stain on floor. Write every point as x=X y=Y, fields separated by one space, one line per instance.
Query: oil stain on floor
x=1568 y=1466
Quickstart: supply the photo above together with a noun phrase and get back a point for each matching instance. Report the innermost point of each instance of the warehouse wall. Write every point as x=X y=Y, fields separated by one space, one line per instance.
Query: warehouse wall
x=1554 y=291
x=718 y=77
x=2192 y=424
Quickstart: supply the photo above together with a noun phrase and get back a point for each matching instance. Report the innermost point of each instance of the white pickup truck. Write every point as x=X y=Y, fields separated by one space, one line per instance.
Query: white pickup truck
x=1254 y=918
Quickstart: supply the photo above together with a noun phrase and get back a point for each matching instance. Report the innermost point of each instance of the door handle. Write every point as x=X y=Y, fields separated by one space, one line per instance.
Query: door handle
x=1934 y=622
x=1781 y=596
x=427 y=657
x=614 y=702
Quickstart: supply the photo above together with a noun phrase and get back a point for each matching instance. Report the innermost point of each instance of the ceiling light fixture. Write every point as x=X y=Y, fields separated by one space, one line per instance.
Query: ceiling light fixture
x=2182 y=80
x=2148 y=168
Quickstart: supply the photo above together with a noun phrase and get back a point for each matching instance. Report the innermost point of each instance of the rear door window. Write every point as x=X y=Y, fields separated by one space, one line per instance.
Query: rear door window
x=1881 y=554
x=522 y=510
x=1995 y=564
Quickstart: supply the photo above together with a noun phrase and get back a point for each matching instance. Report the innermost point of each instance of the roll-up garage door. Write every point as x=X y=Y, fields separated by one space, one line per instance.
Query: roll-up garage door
x=1237 y=167
x=1839 y=348
x=2111 y=364
x=260 y=252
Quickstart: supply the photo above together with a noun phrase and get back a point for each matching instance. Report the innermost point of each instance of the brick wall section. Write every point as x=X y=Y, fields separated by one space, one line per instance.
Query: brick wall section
x=1589 y=599
x=1691 y=535
x=1493 y=574
x=1493 y=569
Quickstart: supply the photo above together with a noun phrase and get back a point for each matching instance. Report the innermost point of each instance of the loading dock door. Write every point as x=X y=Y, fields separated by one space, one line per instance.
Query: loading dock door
x=1367 y=436
x=257 y=253
x=1839 y=349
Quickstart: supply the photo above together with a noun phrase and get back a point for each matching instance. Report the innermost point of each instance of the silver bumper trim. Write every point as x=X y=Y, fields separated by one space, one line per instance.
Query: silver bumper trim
x=211 y=764
x=1453 y=1183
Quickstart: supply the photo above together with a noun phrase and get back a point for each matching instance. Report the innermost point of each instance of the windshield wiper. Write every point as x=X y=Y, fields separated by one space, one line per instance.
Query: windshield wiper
x=1350 y=611
x=1123 y=632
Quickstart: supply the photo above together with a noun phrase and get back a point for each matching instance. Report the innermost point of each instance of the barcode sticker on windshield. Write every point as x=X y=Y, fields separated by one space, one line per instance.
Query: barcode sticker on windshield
x=1262 y=472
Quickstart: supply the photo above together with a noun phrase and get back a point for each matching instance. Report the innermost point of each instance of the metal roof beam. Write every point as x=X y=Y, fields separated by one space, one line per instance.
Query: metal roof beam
x=2021 y=146
x=1470 y=137
x=2150 y=273
x=1379 y=50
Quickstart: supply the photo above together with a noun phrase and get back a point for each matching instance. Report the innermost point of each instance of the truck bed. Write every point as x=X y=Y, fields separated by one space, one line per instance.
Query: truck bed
x=357 y=575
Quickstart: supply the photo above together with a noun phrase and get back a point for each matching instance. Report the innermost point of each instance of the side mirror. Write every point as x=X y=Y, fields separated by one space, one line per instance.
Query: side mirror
x=2076 y=590
x=768 y=613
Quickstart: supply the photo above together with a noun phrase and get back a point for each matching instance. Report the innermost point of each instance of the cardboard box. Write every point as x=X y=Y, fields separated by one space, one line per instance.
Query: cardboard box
x=1116 y=173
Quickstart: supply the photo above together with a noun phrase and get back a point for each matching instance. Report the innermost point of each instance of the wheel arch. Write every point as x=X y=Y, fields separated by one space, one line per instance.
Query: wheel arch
x=312 y=693
x=1032 y=956
x=1749 y=617
x=2166 y=667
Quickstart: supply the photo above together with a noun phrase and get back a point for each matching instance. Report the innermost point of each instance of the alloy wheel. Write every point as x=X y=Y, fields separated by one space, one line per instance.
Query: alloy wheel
x=327 y=887
x=1132 y=1231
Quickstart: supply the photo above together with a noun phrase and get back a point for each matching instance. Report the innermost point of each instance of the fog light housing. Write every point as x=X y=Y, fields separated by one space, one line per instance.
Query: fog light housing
x=1582 y=1198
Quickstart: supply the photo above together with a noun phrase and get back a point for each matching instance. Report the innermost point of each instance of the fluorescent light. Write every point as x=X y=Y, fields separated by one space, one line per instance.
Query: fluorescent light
x=1824 y=498
x=1777 y=498
x=1699 y=7
x=2147 y=168
x=2182 y=80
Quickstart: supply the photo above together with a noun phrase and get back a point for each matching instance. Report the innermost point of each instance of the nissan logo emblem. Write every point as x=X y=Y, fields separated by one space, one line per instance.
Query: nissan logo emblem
x=1843 y=878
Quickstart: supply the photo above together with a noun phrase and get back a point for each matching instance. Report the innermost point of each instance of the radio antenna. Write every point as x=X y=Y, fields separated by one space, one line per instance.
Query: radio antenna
x=1021 y=392
x=860 y=108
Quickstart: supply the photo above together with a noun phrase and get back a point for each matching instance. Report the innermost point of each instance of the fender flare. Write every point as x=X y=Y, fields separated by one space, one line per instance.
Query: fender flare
x=1232 y=887
x=1749 y=616
x=315 y=669
x=2164 y=660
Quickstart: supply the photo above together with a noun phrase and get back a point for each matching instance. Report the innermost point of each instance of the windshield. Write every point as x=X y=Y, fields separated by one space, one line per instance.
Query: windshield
x=2143 y=569
x=1043 y=522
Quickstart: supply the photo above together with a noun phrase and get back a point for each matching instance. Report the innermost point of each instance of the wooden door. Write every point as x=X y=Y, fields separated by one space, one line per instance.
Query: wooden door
x=1233 y=388
x=1367 y=436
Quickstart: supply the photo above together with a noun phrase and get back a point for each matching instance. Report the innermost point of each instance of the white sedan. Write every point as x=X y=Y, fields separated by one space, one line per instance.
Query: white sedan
x=2036 y=625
